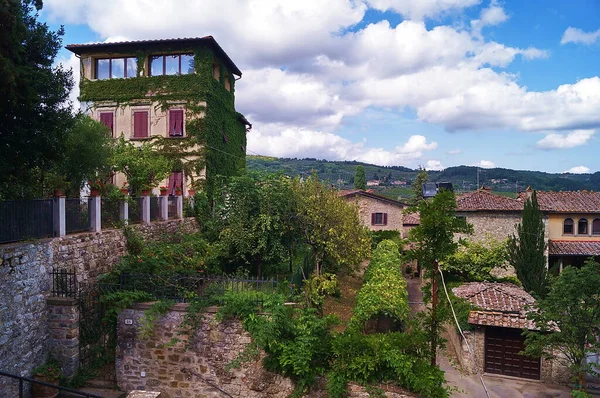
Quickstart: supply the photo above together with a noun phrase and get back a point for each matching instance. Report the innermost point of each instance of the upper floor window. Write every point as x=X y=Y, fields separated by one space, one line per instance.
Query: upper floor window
x=378 y=218
x=177 y=64
x=227 y=83
x=112 y=68
x=140 y=124
x=176 y=123
x=596 y=227
x=108 y=119
x=568 y=226
x=582 y=226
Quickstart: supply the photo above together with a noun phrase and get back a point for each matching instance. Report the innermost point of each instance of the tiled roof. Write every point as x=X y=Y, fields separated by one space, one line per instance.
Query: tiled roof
x=501 y=304
x=369 y=194
x=411 y=219
x=137 y=44
x=484 y=200
x=574 y=248
x=567 y=201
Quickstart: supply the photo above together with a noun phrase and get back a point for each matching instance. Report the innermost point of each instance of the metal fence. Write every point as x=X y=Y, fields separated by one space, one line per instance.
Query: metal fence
x=181 y=288
x=77 y=215
x=172 y=207
x=109 y=213
x=26 y=219
x=154 y=208
x=64 y=283
x=135 y=210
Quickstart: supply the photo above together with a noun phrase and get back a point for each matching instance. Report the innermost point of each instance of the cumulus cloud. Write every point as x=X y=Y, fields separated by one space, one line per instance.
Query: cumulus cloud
x=578 y=36
x=486 y=164
x=489 y=16
x=419 y=9
x=561 y=141
x=280 y=141
x=578 y=170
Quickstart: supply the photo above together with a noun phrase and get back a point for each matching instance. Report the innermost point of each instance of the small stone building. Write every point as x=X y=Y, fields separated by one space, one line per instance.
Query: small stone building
x=378 y=213
x=497 y=338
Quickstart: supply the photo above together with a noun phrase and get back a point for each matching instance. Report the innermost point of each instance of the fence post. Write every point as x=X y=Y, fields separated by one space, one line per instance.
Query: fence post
x=146 y=207
x=95 y=213
x=124 y=210
x=164 y=207
x=179 y=206
x=59 y=216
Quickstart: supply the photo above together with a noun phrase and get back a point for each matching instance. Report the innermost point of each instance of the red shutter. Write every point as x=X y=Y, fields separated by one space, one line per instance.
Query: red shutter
x=384 y=218
x=106 y=118
x=180 y=122
x=179 y=180
x=176 y=123
x=373 y=218
x=140 y=124
x=171 y=184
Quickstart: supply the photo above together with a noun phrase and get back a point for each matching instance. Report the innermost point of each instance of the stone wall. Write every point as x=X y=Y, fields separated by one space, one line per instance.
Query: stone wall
x=63 y=329
x=494 y=224
x=25 y=282
x=156 y=365
x=25 y=327
x=367 y=206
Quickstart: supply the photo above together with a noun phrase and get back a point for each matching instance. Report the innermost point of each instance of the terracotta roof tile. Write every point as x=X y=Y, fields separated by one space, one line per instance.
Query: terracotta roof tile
x=484 y=200
x=411 y=219
x=574 y=247
x=369 y=194
x=567 y=201
x=503 y=297
x=500 y=319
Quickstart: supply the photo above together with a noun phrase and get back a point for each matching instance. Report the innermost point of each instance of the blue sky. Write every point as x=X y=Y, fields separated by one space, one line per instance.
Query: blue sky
x=394 y=82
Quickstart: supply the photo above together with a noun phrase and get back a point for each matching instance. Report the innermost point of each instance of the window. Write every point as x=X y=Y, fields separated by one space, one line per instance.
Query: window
x=140 y=124
x=227 y=83
x=596 y=227
x=112 y=68
x=176 y=123
x=107 y=119
x=175 y=181
x=568 y=226
x=216 y=72
x=378 y=218
x=582 y=226
x=173 y=64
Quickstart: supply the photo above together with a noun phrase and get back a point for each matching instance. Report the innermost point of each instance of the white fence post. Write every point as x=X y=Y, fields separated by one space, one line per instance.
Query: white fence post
x=179 y=206
x=124 y=210
x=95 y=213
x=59 y=216
x=164 y=207
x=146 y=207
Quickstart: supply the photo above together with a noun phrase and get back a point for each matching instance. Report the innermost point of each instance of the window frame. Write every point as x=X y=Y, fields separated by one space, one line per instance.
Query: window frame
x=572 y=225
x=596 y=231
x=110 y=62
x=587 y=225
x=133 y=112
x=374 y=217
x=182 y=135
x=164 y=63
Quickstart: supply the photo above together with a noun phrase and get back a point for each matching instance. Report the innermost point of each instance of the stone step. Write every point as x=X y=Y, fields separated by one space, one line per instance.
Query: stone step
x=105 y=393
x=101 y=383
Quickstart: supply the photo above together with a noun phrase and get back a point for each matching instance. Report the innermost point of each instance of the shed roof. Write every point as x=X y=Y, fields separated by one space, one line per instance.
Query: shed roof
x=574 y=248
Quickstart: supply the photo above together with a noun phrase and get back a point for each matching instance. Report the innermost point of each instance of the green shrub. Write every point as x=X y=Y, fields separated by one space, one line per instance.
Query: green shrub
x=318 y=287
x=134 y=243
x=474 y=261
x=379 y=236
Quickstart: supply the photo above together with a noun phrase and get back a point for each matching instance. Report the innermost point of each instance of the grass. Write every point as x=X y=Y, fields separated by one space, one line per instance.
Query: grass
x=343 y=306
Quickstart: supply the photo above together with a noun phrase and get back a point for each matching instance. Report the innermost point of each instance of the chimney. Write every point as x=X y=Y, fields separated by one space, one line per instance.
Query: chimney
x=528 y=192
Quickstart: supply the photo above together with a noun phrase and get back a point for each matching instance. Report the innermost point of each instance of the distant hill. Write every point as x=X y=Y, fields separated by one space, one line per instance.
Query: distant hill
x=464 y=178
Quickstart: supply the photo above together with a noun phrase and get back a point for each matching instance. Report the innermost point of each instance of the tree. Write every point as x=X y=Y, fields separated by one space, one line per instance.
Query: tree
x=33 y=94
x=434 y=242
x=417 y=185
x=526 y=249
x=142 y=165
x=569 y=319
x=360 y=179
x=474 y=261
x=330 y=226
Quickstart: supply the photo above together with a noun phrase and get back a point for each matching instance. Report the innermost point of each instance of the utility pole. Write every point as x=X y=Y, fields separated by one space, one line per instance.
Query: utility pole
x=434 y=304
x=478 y=178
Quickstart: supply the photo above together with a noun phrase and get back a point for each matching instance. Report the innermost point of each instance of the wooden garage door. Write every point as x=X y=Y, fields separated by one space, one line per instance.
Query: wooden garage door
x=502 y=347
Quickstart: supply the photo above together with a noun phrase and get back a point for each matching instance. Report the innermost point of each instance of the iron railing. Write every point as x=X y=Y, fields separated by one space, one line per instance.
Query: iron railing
x=77 y=215
x=23 y=380
x=181 y=288
x=135 y=210
x=26 y=219
x=64 y=283
x=172 y=207
x=154 y=208
x=109 y=213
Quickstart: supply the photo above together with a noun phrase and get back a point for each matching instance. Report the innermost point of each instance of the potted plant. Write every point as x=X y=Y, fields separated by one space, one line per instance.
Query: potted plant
x=178 y=191
x=125 y=188
x=95 y=187
x=57 y=183
x=49 y=372
x=191 y=192
x=164 y=191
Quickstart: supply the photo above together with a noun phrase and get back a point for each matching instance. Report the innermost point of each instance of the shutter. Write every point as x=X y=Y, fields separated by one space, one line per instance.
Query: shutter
x=106 y=118
x=179 y=180
x=140 y=124
x=171 y=185
x=384 y=218
x=373 y=218
x=172 y=123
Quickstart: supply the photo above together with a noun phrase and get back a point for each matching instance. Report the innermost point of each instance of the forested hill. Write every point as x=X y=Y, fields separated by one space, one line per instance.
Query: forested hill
x=464 y=178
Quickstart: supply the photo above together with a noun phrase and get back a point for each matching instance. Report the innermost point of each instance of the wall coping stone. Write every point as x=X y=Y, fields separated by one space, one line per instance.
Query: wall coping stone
x=62 y=301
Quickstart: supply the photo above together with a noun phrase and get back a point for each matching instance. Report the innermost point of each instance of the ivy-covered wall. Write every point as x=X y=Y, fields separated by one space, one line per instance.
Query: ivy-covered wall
x=216 y=141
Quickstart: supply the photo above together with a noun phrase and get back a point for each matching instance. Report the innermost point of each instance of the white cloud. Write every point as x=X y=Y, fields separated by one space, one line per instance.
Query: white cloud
x=434 y=165
x=454 y=152
x=280 y=141
x=419 y=9
x=578 y=170
x=486 y=164
x=489 y=16
x=561 y=141
x=578 y=36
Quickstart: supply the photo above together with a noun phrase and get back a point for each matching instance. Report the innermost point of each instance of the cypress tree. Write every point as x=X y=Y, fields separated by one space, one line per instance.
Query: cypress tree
x=360 y=180
x=526 y=249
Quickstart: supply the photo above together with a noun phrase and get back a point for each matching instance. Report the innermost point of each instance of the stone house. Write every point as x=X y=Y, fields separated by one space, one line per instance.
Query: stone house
x=497 y=340
x=378 y=213
x=179 y=89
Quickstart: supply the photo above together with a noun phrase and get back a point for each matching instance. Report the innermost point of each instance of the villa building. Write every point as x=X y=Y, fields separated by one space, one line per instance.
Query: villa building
x=179 y=92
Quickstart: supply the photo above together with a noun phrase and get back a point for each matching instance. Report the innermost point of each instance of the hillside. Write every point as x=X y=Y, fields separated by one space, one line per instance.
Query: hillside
x=464 y=178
